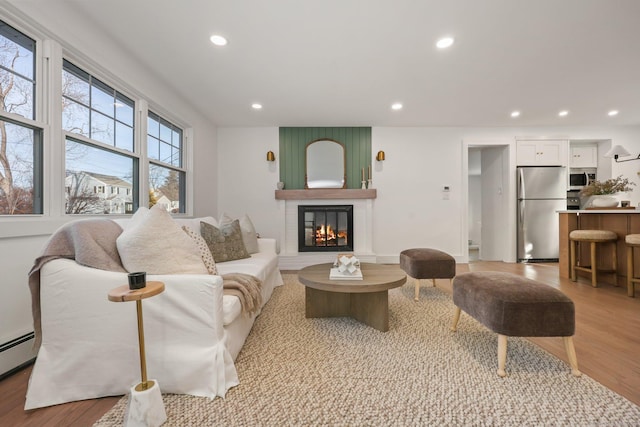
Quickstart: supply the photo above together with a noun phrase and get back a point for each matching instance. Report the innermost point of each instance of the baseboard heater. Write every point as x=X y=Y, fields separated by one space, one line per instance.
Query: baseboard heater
x=16 y=354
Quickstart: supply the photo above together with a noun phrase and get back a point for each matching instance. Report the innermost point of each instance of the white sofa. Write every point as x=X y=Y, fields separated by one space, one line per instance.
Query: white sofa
x=193 y=332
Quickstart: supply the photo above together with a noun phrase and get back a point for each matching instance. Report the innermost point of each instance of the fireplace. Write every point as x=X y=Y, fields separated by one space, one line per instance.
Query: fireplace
x=325 y=228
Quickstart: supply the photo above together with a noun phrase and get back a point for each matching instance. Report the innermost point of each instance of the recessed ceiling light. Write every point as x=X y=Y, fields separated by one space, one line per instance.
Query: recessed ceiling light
x=444 y=42
x=218 y=40
x=256 y=106
x=396 y=106
x=613 y=113
x=563 y=113
x=515 y=114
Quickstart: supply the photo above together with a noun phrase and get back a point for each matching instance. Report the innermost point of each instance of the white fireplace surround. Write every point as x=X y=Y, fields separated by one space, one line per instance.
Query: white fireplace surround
x=291 y=259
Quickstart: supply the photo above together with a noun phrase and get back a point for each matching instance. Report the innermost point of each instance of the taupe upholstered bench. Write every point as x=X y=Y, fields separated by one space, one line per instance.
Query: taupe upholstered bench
x=515 y=306
x=425 y=263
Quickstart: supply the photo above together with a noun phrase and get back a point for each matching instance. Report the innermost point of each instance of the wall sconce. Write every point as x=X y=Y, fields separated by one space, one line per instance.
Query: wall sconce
x=380 y=156
x=617 y=151
x=270 y=156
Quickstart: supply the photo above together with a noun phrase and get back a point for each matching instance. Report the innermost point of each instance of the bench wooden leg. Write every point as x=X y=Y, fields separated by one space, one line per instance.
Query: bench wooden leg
x=456 y=317
x=416 y=297
x=571 y=355
x=434 y=282
x=502 y=354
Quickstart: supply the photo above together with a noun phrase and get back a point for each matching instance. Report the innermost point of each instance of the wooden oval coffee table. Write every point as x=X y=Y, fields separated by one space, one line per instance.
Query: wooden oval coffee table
x=365 y=300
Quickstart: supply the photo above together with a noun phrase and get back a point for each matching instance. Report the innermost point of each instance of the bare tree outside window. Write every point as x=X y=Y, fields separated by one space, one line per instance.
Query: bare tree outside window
x=80 y=198
x=19 y=153
x=164 y=149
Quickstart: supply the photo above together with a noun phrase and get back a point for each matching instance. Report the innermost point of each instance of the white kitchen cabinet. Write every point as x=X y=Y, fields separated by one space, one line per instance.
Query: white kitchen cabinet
x=542 y=152
x=584 y=156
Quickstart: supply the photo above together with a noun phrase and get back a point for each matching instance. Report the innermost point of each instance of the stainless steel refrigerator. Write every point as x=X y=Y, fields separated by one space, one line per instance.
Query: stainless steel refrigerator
x=542 y=191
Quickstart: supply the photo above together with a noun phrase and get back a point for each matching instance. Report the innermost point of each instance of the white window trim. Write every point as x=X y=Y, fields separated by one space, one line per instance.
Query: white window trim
x=49 y=58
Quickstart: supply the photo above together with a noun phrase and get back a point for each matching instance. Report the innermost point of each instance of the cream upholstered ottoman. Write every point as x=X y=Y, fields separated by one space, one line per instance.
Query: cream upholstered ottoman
x=593 y=237
x=515 y=306
x=426 y=263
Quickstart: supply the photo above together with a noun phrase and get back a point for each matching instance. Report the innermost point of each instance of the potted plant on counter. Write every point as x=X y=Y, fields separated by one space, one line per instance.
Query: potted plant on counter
x=602 y=193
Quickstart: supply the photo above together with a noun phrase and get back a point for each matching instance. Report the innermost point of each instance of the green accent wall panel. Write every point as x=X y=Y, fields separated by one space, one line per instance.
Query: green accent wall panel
x=294 y=140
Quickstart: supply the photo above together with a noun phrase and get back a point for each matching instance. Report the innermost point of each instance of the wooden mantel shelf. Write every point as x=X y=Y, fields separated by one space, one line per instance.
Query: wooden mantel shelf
x=326 y=193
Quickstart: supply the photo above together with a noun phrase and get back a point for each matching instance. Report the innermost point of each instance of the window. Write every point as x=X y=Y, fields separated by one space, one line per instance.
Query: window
x=90 y=170
x=95 y=110
x=104 y=118
x=166 y=174
x=21 y=141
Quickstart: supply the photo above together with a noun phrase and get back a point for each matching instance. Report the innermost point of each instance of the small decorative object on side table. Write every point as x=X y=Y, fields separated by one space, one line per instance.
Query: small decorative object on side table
x=145 y=403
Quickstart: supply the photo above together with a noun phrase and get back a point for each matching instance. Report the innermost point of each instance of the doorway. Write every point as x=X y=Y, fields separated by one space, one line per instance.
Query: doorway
x=490 y=213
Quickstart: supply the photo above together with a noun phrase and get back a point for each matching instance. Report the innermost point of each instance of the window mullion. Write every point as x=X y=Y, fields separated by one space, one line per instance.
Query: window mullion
x=141 y=148
x=54 y=148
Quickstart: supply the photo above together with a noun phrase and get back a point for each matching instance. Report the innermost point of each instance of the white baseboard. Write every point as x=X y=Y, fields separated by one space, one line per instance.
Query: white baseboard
x=302 y=260
x=16 y=354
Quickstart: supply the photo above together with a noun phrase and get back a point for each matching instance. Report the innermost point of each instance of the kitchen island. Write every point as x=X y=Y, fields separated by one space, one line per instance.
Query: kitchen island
x=622 y=221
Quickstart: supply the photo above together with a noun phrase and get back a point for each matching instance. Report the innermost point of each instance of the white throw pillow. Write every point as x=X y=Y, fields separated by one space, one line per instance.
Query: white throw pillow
x=249 y=235
x=205 y=253
x=135 y=219
x=158 y=245
x=194 y=223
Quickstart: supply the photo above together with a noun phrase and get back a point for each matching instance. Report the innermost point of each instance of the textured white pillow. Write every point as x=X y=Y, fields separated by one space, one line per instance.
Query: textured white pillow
x=135 y=219
x=249 y=235
x=205 y=253
x=158 y=245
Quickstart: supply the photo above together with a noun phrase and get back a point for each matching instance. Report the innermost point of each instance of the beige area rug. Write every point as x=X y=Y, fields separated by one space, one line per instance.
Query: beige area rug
x=338 y=372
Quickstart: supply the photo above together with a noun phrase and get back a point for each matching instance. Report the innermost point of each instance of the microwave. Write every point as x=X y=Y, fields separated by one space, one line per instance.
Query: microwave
x=580 y=178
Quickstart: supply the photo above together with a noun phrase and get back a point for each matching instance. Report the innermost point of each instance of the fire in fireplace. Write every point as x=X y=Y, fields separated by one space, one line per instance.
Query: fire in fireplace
x=325 y=228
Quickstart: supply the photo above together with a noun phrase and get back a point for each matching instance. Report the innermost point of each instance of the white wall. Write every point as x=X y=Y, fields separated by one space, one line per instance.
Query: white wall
x=410 y=210
x=475 y=209
x=474 y=188
x=246 y=180
x=492 y=203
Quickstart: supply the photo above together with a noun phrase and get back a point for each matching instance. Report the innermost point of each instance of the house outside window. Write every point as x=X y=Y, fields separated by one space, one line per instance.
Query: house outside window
x=99 y=122
x=166 y=173
x=20 y=133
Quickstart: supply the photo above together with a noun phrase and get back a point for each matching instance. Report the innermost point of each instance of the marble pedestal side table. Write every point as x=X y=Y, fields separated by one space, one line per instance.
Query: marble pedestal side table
x=145 y=403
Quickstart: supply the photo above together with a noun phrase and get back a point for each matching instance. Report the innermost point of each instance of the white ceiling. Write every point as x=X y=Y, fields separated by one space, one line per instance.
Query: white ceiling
x=344 y=62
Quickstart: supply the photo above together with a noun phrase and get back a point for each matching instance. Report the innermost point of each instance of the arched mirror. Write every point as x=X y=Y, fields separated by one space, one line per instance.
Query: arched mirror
x=325 y=165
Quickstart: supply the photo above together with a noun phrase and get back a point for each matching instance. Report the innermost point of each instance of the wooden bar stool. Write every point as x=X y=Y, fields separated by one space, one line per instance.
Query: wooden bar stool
x=632 y=241
x=593 y=237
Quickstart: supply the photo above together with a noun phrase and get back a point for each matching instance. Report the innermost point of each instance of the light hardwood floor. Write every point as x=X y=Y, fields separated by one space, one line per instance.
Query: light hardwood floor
x=607 y=344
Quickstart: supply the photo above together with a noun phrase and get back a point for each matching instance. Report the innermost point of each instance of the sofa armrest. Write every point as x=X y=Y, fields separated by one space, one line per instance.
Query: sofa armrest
x=266 y=244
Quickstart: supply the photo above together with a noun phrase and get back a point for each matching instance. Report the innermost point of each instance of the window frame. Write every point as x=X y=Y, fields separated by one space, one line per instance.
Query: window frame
x=183 y=169
x=50 y=51
x=35 y=123
x=134 y=153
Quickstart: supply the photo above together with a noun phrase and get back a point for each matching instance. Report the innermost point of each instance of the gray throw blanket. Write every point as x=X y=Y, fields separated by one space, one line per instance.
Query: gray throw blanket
x=92 y=243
